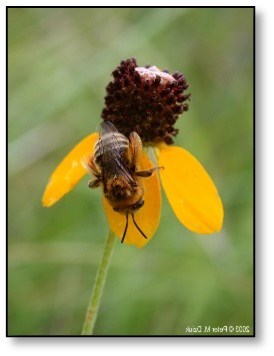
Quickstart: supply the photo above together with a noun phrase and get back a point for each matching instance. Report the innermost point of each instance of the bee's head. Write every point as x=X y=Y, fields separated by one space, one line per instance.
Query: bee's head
x=138 y=205
x=130 y=208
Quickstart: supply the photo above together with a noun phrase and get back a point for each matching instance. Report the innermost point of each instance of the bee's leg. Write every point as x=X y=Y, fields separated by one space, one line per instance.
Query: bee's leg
x=94 y=183
x=94 y=170
x=125 y=231
x=148 y=172
x=135 y=149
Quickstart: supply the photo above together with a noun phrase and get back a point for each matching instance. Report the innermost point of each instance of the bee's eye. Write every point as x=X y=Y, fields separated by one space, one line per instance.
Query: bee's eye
x=139 y=204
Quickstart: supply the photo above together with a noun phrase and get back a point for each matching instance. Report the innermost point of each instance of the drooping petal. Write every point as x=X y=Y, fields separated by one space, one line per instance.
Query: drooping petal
x=190 y=191
x=68 y=173
x=147 y=217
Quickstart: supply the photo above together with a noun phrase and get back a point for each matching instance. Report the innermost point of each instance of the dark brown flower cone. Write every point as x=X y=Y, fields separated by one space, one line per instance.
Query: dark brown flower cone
x=145 y=100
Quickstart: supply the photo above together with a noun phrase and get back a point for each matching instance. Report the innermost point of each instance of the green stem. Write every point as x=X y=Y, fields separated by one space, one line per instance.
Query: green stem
x=98 y=286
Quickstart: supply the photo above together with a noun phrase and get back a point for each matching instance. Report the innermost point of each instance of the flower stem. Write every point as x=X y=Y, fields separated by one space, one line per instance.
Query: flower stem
x=98 y=286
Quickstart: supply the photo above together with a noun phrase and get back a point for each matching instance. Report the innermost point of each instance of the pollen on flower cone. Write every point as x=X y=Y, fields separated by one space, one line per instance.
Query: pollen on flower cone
x=190 y=191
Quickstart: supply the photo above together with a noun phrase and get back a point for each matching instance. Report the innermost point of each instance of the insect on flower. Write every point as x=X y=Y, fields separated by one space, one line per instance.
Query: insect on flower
x=142 y=106
x=115 y=167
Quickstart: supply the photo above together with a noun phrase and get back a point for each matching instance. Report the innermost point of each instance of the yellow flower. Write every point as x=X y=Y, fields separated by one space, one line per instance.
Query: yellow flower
x=189 y=189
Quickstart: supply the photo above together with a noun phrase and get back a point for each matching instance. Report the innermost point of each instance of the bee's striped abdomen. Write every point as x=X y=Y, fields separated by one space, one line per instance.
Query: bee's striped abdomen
x=114 y=143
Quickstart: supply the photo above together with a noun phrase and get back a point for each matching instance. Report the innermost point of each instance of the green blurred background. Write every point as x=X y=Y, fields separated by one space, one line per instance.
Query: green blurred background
x=59 y=63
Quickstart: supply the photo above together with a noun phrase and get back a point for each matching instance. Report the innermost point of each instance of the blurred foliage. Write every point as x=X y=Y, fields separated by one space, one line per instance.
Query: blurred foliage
x=59 y=63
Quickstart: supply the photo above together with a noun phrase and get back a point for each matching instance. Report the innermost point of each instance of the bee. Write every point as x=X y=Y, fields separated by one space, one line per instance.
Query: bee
x=115 y=167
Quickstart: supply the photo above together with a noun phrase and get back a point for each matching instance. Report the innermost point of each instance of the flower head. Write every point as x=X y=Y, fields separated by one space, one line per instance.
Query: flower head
x=147 y=101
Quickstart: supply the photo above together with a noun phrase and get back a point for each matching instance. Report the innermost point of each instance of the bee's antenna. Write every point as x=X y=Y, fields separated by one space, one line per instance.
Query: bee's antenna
x=135 y=223
x=125 y=231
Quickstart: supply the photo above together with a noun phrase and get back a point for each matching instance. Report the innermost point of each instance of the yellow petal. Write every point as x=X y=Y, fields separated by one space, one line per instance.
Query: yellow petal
x=190 y=191
x=147 y=217
x=69 y=171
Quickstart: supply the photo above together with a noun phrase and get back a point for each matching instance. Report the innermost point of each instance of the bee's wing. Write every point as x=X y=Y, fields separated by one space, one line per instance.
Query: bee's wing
x=107 y=127
x=109 y=137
